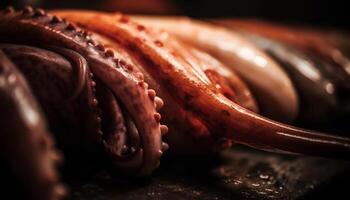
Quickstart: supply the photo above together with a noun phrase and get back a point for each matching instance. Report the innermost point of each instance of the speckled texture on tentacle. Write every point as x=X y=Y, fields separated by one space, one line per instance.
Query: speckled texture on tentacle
x=60 y=82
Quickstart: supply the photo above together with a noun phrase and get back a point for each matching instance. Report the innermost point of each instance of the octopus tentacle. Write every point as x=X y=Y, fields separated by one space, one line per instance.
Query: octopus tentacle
x=68 y=117
x=302 y=38
x=43 y=65
x=224 y=118
x=80 y=70
x=324 y=47
x=27 y=149
x=33 y=61
x=183 y=124
x=270 y=84
x=40 y=27
x=316 y=89
x=226 y=81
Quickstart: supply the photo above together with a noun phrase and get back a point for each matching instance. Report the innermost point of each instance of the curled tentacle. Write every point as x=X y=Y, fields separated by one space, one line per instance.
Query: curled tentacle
x=27 y=154
x=68 y=106
x=80 y=71
x=223 y=118
x=38 y=27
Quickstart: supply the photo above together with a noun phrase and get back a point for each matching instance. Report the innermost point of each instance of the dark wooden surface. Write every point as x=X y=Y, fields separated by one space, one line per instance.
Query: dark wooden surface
x=238 y=173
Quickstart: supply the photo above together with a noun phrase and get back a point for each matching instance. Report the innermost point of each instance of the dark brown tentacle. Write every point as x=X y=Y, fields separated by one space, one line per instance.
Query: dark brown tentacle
x=69 y=107
x=27 y=149
x=38 y=27
x=81 y=70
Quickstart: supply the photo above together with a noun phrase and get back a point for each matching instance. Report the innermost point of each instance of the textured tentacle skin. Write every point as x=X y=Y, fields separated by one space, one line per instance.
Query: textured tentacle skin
x=127 y=87
x=224 y=119
x=64 y=98
x=188 y=133
x=182 y=124
x=27 y=154
x=316 y=88
x=270 y=84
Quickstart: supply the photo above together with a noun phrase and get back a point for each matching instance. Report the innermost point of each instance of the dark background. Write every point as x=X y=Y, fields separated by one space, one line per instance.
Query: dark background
x=310 y=12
